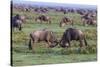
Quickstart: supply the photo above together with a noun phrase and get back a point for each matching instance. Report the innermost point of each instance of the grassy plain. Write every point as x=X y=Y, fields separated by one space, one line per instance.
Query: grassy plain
x=23 y=56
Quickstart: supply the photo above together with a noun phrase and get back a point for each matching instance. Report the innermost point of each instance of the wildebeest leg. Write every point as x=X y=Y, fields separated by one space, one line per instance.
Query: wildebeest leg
x=81 y=43
x=34 y=41
x=68 y=39
x=48 y=44
x=68 y=43
x=20 y=28
x=30 y=45
x=85 y=41
x=49 y=21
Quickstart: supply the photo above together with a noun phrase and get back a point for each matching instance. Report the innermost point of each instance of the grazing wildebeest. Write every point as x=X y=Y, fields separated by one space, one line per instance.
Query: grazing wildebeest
x=43 y=18
x=65 y=20
x=43 y=35
x=91 y=21
x=41 y=10
x=72 y=34
x=88 y=19
x=61 y=10
x=16 y=21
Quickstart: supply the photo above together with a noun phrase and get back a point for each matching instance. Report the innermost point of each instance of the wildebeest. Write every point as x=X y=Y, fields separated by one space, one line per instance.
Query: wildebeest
x=61 y=10
x=43 y=18
x=41 y=10
x=16 y=22
x=81 y=11
x=65 y=20
x=72 y=34
x=91 y=21
x=43 y=35
x=88 y=19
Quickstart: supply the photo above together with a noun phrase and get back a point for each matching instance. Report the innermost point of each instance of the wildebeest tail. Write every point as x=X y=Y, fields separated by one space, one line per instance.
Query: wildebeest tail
x=20 y=28
x=30 y=46
x=85 y=41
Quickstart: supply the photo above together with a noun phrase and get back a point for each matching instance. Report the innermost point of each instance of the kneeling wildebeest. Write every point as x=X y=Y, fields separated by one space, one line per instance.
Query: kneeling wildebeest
x=72 y=34
x=43 y=18
x=65 y=20
x=43 y=35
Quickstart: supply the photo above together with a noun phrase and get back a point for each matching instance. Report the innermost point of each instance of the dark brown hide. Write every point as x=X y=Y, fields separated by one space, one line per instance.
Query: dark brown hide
x=72 y=34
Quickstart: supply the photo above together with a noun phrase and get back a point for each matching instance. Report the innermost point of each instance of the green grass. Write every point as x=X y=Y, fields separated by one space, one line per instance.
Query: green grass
x=23 y=56
x=35 y=59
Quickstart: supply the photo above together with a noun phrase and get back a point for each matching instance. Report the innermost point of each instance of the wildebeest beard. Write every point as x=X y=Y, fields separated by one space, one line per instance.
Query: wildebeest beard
x=63 y=43
x=54 y=44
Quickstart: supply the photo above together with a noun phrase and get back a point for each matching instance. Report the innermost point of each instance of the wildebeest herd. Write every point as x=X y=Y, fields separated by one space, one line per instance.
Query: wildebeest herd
x=88 y=17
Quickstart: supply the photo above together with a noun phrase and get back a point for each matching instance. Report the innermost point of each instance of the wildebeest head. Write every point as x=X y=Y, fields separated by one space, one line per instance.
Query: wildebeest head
x=54 y=41
x=63 y=42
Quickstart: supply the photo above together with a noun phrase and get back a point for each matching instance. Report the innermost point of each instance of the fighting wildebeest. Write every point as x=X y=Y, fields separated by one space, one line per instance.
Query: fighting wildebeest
x=65 y=20
x=72 y=34
x=43 y=18
x=16 y=22
x=43 y=35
